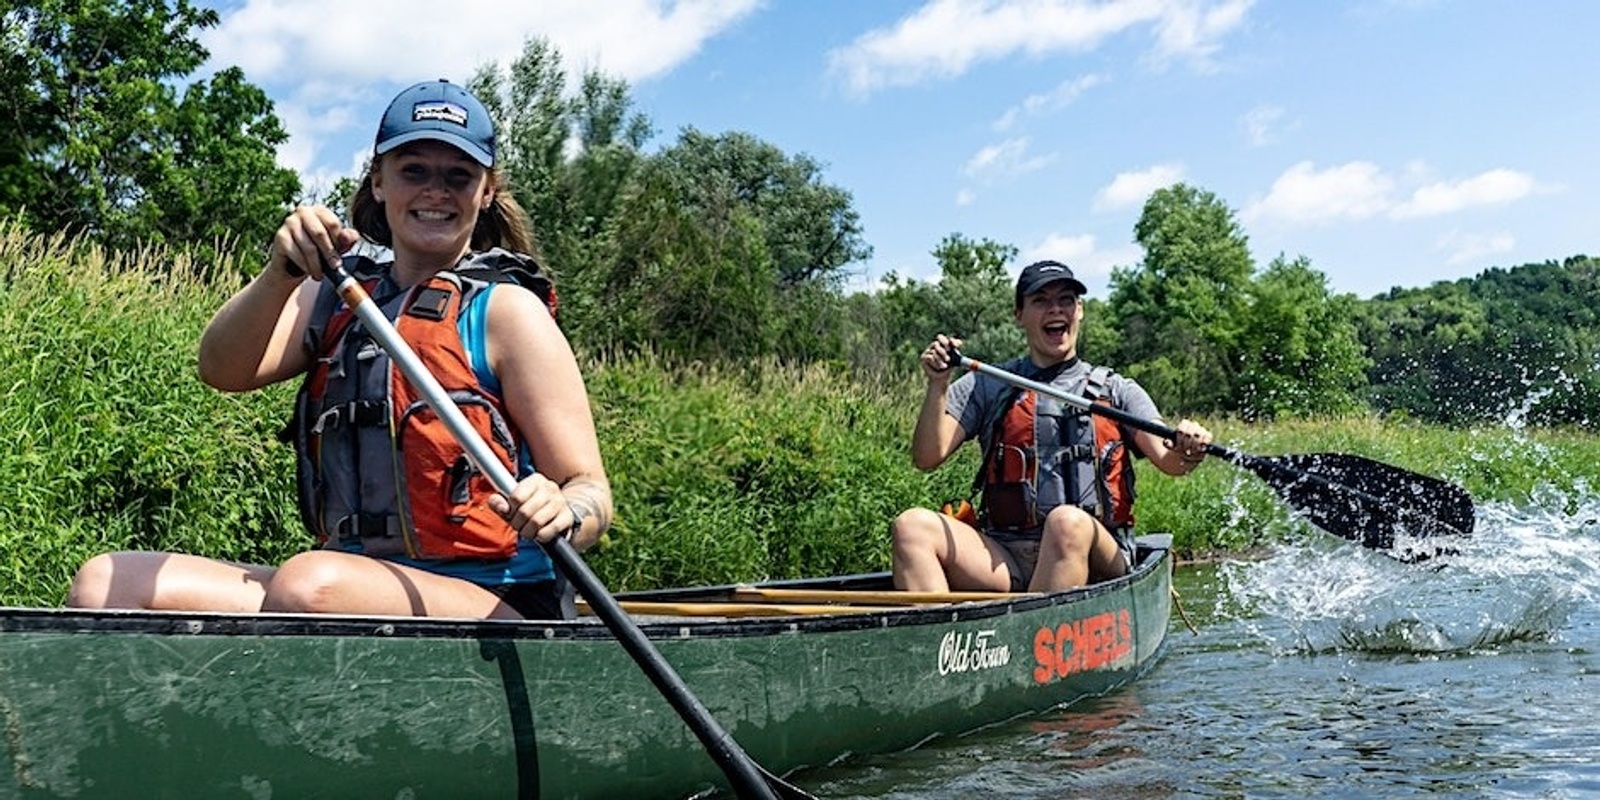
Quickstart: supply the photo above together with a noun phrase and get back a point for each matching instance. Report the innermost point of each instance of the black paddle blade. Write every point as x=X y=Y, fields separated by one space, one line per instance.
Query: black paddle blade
x=1363 y=500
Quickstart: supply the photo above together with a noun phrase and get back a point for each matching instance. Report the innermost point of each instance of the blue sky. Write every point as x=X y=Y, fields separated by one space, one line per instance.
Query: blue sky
x=1390 y=142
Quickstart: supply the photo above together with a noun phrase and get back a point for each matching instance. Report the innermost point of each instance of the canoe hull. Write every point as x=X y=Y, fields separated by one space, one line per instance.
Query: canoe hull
x=199 y=705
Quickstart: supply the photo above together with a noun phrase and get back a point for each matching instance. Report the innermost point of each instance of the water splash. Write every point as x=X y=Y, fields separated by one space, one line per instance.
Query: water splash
x=1518 y=578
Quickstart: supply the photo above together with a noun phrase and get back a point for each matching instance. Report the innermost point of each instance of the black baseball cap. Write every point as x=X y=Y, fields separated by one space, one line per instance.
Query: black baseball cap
x=1040 y=274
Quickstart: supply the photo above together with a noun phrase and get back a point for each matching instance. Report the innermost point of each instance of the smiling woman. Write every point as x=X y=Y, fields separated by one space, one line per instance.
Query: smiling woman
x=1056 y=484
x=408 y=524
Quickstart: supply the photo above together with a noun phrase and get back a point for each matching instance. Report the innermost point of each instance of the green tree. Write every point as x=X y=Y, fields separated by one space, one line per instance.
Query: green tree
x=1181 y=311
x=98 y=142
x=1518 y=344
x=1299 y=351
x=709 y=195
x=571 y=157
x=681 y=283
x=810 y=227
x=972 y=300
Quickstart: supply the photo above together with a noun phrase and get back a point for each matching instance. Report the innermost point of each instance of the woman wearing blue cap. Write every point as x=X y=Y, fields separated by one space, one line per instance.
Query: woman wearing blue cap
x=1056 y=483
x=407 y=525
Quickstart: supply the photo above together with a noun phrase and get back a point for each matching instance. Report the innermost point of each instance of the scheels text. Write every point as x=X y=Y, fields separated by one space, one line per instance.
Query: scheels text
x=1087 y=644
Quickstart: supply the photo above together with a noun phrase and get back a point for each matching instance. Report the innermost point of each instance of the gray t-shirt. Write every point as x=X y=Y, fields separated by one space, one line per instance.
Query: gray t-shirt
x=972 y=397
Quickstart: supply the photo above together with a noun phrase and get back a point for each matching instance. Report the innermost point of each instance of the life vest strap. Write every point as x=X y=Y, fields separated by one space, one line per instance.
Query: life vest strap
x=368 y=526
x=357 y=413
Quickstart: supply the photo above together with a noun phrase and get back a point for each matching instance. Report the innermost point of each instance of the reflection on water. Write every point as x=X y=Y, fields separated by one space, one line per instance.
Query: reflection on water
x=1321 y=670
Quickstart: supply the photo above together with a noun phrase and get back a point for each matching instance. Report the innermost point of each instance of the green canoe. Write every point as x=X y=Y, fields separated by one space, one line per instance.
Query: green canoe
x=187 y=705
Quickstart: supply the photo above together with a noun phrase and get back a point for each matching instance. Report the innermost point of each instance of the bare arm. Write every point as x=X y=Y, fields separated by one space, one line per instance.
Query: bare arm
x=254 y=339
x=937 y=434
x=546 y=398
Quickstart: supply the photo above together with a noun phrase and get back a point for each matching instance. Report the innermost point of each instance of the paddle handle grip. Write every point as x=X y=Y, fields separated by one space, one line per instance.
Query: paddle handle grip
x=1103 y=409
x=745 y=775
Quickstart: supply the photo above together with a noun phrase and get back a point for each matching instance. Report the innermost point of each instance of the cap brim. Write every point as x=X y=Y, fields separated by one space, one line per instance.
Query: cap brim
x=455 y=140
x=1072 y=283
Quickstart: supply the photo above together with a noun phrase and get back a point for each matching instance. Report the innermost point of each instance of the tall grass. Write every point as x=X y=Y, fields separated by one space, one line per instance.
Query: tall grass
x=722 y=472
x=112 y=441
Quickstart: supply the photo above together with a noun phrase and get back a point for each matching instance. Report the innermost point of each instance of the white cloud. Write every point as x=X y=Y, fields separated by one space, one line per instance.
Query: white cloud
x=1193 y=30
x=1304 y=194
x=1361 y=190
x=331 y=59
x=1060 y=247
x=1057 y=98
x=1262 y=124
x=1008 y=158
x=1492 y=188
x=1130 y=189
x=1474 y=248
x=411 y=39
x=945 y=38
x=966 y=197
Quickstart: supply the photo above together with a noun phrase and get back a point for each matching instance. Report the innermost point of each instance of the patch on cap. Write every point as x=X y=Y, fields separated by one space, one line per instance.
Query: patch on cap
x=439 y=110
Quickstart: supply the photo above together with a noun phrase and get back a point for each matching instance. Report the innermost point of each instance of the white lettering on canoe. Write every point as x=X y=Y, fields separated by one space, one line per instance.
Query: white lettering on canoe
x=971 y=651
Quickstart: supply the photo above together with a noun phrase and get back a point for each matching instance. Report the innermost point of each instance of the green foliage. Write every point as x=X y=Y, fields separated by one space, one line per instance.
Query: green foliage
x=724 y=471
x=569 y=156
x=738 y=473
x=809 y=227
x=1520 y=345
x=113 y=441
x=1181 y=312
x=693 y=287
x=716 y=246
x=97 y=142
x=973 y=300
x=1298 y=351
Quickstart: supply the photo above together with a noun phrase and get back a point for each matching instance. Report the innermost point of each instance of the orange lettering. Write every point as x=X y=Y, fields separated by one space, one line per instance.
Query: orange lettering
x=1088 y=644
x=1067 y=654
x=1044 y=654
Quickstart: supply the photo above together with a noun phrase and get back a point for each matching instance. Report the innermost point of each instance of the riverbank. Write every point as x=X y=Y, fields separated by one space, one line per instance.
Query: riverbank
x=722 y=472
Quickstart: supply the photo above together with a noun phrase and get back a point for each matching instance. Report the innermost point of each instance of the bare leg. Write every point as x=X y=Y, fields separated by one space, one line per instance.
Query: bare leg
x=1073 y=549
x=331 y=582
x=935 y=553
x=168 y=581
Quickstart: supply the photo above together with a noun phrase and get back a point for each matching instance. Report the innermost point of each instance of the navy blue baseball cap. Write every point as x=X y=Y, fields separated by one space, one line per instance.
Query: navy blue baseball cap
x=439 y=111
x=1040 y=274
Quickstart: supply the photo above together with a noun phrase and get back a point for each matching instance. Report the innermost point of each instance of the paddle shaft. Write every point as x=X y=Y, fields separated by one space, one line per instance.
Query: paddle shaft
x=748 y=779
x=1146 y=425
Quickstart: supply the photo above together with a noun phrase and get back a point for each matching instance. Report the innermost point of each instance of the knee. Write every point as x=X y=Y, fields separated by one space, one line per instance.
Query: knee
x=306 y=584
x=916 y=528
x=1070 y=527
x=91 y=584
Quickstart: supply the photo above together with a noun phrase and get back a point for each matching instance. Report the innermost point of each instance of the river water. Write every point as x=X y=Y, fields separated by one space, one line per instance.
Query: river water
x=1322 y=669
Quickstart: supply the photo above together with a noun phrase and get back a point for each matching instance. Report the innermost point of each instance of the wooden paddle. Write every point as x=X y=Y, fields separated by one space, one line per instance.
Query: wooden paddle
x=717 y=608
x=1357 y=498
x=747 y=777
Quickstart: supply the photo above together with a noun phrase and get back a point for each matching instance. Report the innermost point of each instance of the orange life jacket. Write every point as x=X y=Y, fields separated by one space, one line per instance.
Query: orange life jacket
x=378 y=471
x=1037 y=461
